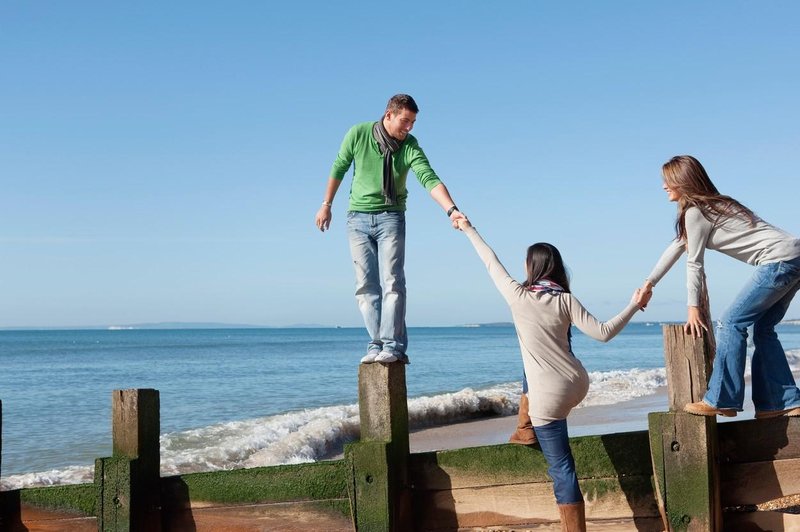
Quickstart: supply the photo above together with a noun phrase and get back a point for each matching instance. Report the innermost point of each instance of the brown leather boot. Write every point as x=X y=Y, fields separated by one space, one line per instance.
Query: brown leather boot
x=524 y=434
x=573 y=517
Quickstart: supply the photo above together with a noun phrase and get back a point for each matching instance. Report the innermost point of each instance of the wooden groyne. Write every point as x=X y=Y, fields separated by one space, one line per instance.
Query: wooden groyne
x=685 y=473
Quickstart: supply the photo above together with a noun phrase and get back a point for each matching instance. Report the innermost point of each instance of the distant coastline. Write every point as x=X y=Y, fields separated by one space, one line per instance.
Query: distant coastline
x=160 y=326
x=178 y=325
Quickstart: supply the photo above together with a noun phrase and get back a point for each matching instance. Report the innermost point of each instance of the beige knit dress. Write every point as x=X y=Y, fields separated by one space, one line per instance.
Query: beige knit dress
x=557 y=381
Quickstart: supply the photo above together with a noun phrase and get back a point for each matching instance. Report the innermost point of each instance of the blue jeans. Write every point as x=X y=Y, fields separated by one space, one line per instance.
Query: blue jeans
x=554 y=441
x=378 y=248
x=762 y=304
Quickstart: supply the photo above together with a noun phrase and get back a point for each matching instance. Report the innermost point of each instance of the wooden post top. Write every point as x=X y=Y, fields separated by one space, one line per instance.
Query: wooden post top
x=382 y=403
x=136 y=426
x=688 y=361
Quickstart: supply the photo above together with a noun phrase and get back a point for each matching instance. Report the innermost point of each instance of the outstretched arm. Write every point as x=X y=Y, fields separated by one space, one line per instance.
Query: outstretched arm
x=441 y=195
x=323 y=218
x=603 y=331
x=665 y=262
x=506 y=285
x=698 y=231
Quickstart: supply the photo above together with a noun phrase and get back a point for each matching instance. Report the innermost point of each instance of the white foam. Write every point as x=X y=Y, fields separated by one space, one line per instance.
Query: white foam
x=610 y=387
x=68 y=475
x=290 y=438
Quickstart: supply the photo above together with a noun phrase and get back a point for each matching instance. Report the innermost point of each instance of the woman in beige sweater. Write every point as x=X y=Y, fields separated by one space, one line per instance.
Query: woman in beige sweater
x=543 y=310
x=707 y=219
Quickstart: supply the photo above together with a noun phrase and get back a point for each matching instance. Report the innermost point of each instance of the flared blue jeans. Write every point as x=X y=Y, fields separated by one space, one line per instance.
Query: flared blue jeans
x=762 y=304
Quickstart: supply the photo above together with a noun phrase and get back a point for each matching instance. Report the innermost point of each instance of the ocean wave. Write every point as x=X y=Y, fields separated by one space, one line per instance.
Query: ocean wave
x=54 y=477
x=610 y=387
x=319 y=433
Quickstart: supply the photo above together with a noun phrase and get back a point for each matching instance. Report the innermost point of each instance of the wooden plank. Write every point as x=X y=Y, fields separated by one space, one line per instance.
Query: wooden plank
x=759 y=439
x=526 y=503
x=286 y=517
x=758 y=482
x=18 y=516
x=757 y=521
x=38 y=520
x=644 y=524
x=608 y=455
x=688 y=363
x=286 y=483
x=477 y=467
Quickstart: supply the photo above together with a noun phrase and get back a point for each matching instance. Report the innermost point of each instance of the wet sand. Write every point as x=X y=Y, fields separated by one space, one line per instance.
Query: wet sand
x=584 y=421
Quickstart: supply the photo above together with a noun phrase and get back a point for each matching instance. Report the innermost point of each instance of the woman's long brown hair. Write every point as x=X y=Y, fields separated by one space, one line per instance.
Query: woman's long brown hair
x=685 y=175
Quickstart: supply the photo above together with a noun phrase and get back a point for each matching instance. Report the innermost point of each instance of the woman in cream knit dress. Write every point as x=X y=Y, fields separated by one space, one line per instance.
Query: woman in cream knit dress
x=543 y=310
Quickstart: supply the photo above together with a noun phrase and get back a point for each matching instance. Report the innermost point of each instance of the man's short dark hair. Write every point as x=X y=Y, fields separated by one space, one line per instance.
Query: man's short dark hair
x=402 y=101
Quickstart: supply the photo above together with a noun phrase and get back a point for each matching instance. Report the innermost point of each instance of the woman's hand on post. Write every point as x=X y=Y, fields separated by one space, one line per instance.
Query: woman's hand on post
x=694 y=323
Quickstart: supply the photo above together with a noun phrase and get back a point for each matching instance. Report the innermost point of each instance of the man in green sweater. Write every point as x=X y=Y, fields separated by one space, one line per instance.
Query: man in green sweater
x=383 y=153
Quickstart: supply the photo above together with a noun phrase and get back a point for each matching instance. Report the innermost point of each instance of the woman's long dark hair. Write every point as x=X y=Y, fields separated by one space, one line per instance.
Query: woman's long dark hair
x=544 y=261
x=685 y=175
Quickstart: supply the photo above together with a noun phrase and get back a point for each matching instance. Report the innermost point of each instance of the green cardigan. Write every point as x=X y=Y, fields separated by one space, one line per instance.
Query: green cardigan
x=366 y=191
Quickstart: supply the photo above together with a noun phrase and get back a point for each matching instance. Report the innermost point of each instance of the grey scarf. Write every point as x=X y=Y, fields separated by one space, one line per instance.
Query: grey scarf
x=388 y=146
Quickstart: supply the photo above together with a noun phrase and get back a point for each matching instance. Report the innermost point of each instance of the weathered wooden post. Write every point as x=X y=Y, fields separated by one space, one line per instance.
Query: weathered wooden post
x=381 y=498
x=127 y=483
x=684 y=447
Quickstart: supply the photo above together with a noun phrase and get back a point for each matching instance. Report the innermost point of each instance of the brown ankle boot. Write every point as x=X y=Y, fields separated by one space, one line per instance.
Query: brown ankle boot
x=524 y=434
x=573 y=517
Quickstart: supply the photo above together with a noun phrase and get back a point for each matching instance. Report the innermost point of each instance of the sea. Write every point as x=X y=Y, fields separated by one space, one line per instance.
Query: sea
x=233 y=398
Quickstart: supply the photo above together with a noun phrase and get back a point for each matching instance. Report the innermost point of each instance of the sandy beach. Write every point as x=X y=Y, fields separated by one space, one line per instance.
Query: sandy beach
x=590 y=420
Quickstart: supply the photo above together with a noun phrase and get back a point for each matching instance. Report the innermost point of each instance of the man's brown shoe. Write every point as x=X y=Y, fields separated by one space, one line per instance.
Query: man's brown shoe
x=786 y=412
x=701 y=408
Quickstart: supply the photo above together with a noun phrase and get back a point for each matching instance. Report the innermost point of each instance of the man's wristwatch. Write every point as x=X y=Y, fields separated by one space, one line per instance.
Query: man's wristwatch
x=451 y=210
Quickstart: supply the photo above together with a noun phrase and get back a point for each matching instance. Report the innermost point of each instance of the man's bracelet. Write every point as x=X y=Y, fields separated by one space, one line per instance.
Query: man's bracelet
x=451 y=210
x=328 y=203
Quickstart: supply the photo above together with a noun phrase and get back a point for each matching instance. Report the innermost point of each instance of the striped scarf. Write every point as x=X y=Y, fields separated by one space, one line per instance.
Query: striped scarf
x=388 y=146
x=546 y=285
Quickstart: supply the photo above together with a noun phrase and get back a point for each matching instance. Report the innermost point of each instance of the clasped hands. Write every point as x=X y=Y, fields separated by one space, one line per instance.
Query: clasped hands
x=641 y=296
x=461 y=223
x=695 y=325
x=457 y=218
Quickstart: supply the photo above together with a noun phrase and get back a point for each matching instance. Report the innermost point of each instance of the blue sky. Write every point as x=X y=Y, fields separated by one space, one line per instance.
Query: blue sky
x=164 y=161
